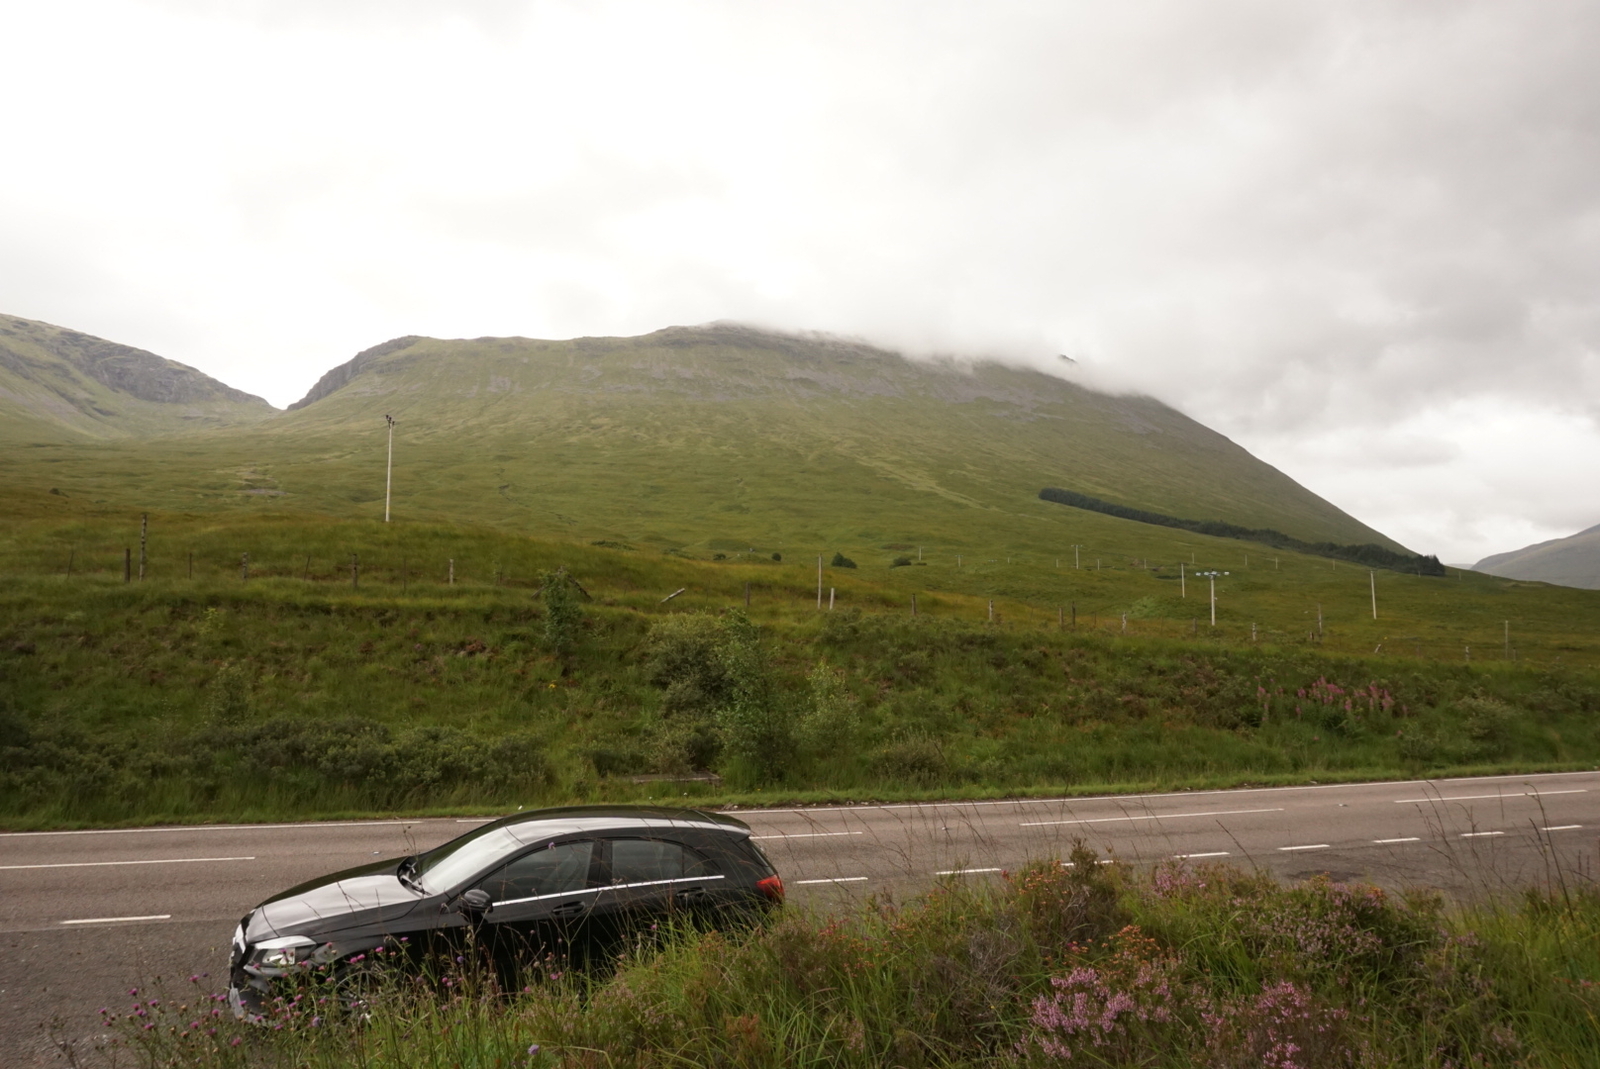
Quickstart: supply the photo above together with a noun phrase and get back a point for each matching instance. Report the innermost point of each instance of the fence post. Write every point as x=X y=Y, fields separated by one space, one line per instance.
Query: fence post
x=144 y=534
x=244 y=566
x=127 y=565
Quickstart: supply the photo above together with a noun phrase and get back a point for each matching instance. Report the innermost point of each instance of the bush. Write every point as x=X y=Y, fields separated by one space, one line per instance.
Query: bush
x=777 y=556
x=563 y=616
x=900 y=562
x=842 y=561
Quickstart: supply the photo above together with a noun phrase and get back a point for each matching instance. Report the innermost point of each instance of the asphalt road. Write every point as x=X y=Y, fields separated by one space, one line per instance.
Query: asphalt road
x=85 y=915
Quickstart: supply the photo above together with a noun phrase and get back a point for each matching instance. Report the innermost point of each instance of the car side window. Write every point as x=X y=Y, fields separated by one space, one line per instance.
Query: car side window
x=650 y=860
x=550 y=870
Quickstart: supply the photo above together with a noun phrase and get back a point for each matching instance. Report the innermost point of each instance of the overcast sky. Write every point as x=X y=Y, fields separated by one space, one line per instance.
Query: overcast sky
x=1359 y=238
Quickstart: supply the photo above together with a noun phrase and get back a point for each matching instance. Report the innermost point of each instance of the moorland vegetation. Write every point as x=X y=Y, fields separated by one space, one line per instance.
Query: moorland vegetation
x=1076 y=964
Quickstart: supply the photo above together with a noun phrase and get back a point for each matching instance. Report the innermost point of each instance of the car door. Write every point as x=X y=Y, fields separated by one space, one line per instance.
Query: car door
x=645 y=878
x=540 y=902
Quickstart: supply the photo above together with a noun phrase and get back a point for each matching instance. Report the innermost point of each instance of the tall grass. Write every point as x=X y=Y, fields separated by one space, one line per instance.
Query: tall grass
x=280 y=696
x=1076 y=964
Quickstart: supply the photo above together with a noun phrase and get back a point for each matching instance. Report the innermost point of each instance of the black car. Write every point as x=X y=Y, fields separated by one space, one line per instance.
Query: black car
x=563 y=882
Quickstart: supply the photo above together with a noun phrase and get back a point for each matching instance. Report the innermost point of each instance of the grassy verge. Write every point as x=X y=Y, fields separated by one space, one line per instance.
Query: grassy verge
x=1055 y=965
x=149 y=704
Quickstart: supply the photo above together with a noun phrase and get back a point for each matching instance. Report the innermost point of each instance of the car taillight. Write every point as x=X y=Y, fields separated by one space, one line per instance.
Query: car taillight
x=772 y=887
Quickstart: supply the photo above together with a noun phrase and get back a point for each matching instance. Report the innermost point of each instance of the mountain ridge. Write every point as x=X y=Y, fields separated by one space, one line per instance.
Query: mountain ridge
x=56 y=380
x=1571 y=561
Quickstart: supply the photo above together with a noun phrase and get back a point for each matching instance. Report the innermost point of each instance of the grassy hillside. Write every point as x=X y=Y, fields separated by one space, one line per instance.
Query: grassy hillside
x=705 y=439
x=60 y=385
x=289 y=654
x=293 y=693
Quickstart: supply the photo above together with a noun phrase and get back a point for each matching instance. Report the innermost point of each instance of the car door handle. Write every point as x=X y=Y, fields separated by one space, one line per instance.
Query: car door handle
x=570 y=909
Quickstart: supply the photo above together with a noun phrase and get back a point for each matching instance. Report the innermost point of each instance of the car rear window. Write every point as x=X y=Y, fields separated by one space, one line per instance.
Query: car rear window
x=649 y=860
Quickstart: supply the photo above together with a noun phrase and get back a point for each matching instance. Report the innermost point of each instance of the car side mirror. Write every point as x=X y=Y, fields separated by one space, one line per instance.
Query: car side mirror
x=474 y=903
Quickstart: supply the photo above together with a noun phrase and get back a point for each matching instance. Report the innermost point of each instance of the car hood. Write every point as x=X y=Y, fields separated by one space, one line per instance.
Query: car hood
x=355 y=897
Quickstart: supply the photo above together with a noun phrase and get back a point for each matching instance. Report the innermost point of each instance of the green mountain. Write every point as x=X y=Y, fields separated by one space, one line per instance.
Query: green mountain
x=706 y=439
x=1570 y=561
x=57 y=384
x=727 y=434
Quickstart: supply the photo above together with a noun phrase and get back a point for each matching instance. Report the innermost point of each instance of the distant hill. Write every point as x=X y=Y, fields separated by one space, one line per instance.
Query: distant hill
x=57 y=383
x=718 y=438
x=720 y=422
x=1571 y=561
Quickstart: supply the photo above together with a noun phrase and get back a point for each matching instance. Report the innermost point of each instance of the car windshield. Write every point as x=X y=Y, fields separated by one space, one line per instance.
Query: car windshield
x=457 y=860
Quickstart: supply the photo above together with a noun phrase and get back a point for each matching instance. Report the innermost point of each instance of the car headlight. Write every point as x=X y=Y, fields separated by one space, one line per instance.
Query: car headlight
x=275 y=955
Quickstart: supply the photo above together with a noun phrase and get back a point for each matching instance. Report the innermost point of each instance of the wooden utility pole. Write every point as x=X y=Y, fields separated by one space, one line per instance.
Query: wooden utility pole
x=144 y=535
x=450 y=579
x=1372 y=577
x=830 y=599
x=1075 y=564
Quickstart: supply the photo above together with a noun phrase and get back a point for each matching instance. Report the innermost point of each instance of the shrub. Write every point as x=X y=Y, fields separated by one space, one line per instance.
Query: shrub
x=563 y=616
x=900 y=562
x=777 y=556
x=842 y=561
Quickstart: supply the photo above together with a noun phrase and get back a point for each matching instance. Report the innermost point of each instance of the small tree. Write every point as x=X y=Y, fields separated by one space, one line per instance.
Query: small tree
x=563 y=616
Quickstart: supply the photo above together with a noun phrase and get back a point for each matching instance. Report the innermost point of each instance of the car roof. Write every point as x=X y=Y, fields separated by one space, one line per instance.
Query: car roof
x=596 y=818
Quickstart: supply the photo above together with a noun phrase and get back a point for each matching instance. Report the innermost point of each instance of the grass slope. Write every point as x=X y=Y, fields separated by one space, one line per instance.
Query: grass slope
x=291 y=693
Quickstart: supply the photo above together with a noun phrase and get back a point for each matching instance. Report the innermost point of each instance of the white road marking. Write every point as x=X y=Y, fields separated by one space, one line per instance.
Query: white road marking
x=100 y=864
x=1137 y=797
x=963 y=872
x=1481 y=797
x=1151 y=816
x=115 y=920
x=1479 y=834
x=1563 y=827
x=211 y=827
x=805 y=834
x=1214 y=853
x=833 y=879
x=1406 y=839
x=1308 y=846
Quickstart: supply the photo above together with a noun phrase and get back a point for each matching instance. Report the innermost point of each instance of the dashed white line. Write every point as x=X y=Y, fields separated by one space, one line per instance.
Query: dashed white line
x=964 y=872
x=1403 y=839
x=1214 y=853
x=304 y=825
x=1308 y=846
x=116 y=920
x=1150 y=816
x=1481 y=797
x=1563 y=827
x=101 y=864
x=1480 y=834
x=805 y=834
x=832 y=879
